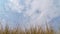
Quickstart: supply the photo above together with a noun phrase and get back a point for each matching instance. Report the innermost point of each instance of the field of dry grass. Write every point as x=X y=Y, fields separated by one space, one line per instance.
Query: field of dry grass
x=32 y=30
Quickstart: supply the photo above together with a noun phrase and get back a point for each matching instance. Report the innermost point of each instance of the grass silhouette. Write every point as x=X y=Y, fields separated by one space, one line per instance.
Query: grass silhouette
x=31 y=30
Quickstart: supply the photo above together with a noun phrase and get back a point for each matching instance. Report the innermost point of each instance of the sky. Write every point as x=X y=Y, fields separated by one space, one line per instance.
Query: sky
x=28 y=13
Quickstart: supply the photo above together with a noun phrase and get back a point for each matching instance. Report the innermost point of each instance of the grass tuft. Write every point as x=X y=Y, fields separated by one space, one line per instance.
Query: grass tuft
x=32 y=30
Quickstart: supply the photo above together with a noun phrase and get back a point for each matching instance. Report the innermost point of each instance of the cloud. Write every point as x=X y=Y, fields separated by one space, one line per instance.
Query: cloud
x=14 y=5
x=41 y=5
x=48 y=11
x=36 y=11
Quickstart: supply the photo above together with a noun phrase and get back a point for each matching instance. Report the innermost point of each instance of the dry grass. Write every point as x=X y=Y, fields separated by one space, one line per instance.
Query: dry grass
x=32 y=30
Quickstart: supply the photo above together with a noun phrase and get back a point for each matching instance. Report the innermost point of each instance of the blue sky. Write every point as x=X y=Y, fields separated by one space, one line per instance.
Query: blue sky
x=29 y=12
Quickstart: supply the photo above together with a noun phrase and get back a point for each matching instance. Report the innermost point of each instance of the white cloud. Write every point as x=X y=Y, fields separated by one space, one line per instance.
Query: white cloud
x=46 y=8
x=14 y=5
x=37 y=4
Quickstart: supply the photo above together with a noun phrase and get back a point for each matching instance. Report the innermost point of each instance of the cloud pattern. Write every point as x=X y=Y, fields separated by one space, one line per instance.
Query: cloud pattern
x=29 y=12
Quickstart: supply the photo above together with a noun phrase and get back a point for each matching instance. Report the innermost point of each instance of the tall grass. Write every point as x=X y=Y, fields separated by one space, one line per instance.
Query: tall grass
x=31 y=30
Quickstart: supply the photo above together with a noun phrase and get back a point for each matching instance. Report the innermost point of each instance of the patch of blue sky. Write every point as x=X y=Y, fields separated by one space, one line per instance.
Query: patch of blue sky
x=56 y=3
x=55 y=22
x=2 y=5
x=26 y=7
x=14 y=18
x=22 y=2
